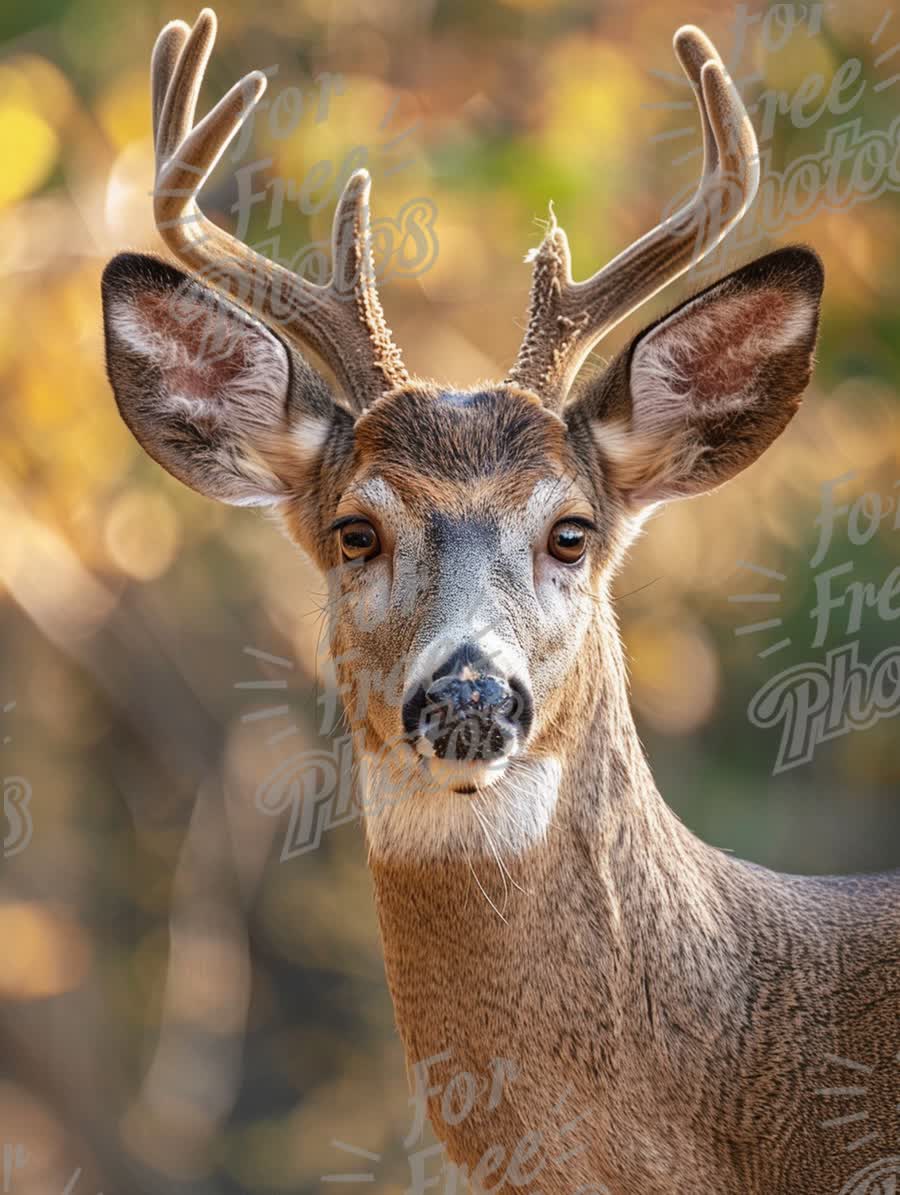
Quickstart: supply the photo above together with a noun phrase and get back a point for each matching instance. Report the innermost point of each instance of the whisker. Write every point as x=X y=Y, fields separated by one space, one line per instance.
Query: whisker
x=620 y=596
x=481 y=888
x=504 y=790
x=504 y=873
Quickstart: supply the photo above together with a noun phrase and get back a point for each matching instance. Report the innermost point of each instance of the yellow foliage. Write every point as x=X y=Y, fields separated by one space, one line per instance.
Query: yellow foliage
x=124 y=110
x=593 y=93
x=28 y=151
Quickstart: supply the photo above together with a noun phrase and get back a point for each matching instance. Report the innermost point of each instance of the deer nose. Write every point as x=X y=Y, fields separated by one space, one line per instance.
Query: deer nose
x=468 y=713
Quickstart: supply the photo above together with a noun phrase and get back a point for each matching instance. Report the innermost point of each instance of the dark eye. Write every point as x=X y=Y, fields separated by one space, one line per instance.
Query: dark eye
x=359 y=540
x=567 y=542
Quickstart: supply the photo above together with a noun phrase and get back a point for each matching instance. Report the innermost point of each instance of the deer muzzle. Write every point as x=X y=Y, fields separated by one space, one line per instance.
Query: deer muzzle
x=468 y=712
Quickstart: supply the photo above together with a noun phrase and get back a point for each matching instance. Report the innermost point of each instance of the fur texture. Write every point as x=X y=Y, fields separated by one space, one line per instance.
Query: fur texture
x=672 y=1015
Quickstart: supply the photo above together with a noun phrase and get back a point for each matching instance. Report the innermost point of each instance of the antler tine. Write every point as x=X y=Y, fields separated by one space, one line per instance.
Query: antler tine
x=566 y=318
x=694 y=49
x=166 y=53
x=343 y=320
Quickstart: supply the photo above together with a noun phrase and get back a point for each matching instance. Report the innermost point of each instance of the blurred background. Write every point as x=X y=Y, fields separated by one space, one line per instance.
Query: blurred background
x=180 y=1009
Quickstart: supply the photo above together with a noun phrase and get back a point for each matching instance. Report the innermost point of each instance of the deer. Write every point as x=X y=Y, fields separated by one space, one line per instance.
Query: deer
x=674 y=1020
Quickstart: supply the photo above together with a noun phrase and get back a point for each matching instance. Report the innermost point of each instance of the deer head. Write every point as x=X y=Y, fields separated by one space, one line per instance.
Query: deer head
x=468 y=536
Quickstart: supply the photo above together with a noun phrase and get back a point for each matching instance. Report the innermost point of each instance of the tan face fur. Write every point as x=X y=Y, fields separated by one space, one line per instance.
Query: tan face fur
x=463 y=491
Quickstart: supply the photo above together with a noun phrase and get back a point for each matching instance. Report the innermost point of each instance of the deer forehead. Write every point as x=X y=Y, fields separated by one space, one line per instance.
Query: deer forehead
x=423 y=457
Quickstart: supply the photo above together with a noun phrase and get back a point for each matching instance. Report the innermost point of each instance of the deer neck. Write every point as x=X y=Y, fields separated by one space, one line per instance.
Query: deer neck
x=589 y=955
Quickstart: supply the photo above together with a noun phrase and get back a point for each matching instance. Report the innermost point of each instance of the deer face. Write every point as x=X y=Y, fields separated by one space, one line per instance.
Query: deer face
x=463 y=539
x=467 y=536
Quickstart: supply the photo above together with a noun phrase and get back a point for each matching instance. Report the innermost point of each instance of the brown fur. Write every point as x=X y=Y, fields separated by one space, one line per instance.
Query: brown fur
x=688 y=1002
x=680 y=1011
x=678 y=1021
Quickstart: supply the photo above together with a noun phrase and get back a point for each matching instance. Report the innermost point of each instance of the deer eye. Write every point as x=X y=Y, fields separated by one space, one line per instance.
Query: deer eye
x=359 y=540
x=567 y=542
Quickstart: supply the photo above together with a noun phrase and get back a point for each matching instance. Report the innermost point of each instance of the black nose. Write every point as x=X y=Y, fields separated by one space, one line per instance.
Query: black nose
x=468 y=712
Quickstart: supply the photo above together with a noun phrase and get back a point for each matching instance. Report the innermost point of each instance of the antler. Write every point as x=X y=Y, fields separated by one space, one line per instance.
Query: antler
x=567 y=318
x=342 y=320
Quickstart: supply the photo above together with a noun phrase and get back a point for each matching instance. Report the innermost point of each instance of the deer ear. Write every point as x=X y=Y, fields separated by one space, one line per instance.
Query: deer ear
x=210 y=393
x=699 y=395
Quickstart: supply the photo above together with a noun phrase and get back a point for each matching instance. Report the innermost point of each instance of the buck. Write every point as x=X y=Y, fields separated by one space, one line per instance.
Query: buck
x=699 y=1023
